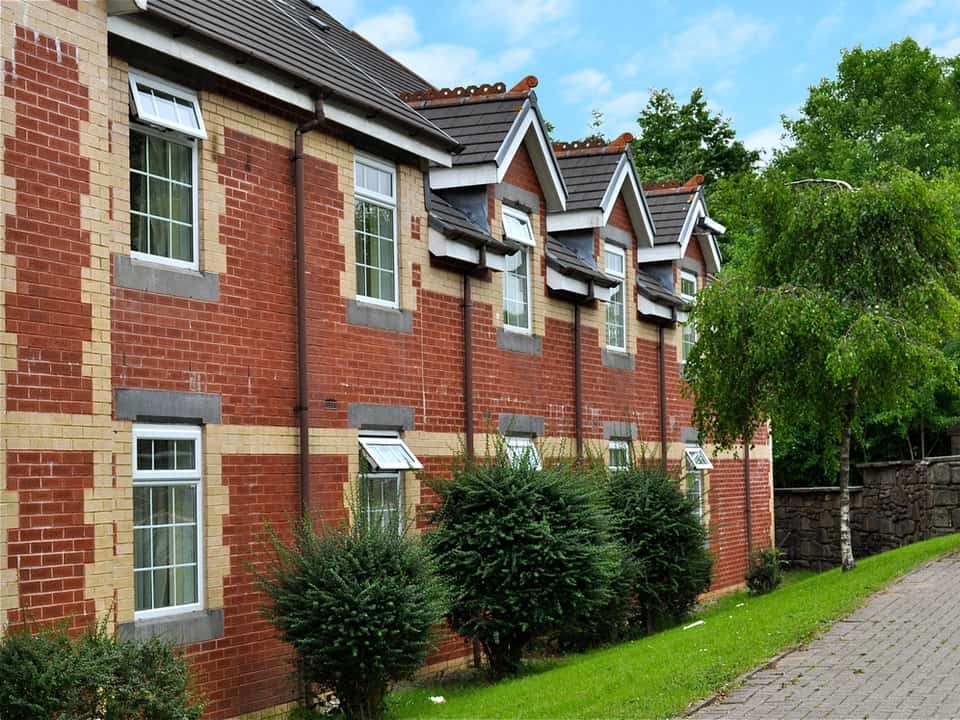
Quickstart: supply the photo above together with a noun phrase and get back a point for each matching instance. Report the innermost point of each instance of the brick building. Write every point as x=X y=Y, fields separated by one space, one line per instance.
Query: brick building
x=166 y=357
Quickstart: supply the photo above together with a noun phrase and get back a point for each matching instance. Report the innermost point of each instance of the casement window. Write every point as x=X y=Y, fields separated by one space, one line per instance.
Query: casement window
x=375 y=231
x=619 y=453
x=697 y=463
x=384 y=458
x=163 y=172
x=167 y=519
x=517 y=276
x=521 y=448
x=688 y=332
x=615 y=265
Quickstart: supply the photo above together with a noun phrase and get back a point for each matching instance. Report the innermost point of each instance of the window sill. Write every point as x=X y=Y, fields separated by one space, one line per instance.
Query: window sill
x=136 y=274
x=518 y=341
x=180 y=629
x=617 y=359
x=378 y=316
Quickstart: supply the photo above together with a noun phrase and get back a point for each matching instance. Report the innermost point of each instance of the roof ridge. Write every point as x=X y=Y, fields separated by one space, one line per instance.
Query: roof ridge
x=593 y=146
x=470 y=93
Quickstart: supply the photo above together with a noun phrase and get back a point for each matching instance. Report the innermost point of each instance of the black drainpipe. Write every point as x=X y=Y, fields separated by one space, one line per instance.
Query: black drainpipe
x=303 y=382
x=746 y=493
x=577 y=382
x=662 y=394
x=468 y=365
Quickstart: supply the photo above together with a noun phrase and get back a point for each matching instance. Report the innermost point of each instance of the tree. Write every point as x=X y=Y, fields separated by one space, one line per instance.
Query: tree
x=835 y=313
x=679 y=141
x=897 y=106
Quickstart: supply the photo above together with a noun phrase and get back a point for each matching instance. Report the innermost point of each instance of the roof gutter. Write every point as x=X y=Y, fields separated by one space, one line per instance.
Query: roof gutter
x=303 y=376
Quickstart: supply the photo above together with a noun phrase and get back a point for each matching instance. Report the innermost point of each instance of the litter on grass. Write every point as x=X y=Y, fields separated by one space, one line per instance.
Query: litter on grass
x=437 y=699
x=693 y=624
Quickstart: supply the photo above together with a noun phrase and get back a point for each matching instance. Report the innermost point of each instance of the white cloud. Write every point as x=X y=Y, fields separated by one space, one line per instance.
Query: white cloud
x=724 y=85
x=342 y=10
x=765 y=139
x=390 y=31
x=585 y=84
x=620 y=113
x=948 y=48
x=721 y=37
x=915 y=7
x=518 y=19
x=451 y=65
x=826 y=26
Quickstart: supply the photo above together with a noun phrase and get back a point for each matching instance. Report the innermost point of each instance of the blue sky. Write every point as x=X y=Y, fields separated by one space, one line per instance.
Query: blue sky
x=755 y=60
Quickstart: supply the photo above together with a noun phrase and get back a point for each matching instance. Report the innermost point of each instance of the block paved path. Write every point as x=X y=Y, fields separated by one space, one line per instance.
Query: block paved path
x=896 y=657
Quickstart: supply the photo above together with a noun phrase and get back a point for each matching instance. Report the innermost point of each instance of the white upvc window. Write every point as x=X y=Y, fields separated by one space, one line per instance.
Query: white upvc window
x=167 y=520
x=619 y=454
x=384 y=459
x=521 y=448
x=375 y=231
x=517 y=275
x=166 y=105
x=615 y=265
x=697 y=463
x=688 y=332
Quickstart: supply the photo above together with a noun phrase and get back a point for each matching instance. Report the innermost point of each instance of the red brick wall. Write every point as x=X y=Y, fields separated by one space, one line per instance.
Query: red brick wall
x=44 y=158
x=619 y=217
x=51 y=544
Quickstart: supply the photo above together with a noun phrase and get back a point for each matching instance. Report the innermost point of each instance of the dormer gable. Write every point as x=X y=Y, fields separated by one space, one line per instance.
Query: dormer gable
x=680 y=213
x=597 y=175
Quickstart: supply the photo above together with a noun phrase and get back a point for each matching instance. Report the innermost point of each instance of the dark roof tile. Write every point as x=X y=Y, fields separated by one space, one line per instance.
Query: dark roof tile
x=480 y=125
x=669 y=208
x=567 y=262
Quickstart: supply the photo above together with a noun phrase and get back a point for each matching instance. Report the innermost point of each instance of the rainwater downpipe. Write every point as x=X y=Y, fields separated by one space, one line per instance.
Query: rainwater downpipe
x=468 y=366
x=303 y=378
x=577 y=382
x=662 y=396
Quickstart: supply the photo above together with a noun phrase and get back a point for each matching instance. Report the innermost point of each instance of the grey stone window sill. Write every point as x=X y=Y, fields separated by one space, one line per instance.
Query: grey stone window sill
x=617 y=360
x=157 y=278
x=182 y=629
x=519 y=342
x=382 y=318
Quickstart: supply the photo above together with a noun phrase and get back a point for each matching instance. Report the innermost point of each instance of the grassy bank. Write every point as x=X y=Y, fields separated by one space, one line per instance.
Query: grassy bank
x=661 y=675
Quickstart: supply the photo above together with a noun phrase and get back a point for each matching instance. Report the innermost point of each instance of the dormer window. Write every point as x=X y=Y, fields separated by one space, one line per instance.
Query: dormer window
x=615 y=265
x=516 y=278
x=688 y=291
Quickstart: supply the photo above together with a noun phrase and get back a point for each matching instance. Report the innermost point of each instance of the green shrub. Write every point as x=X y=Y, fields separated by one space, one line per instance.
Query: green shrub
x=665 y=540
x=766 y=571
x=358 y=605
x=46 y=674
x=525 y=552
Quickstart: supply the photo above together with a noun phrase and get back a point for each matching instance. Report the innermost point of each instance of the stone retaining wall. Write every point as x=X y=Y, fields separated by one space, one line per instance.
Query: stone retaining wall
x=898 y=503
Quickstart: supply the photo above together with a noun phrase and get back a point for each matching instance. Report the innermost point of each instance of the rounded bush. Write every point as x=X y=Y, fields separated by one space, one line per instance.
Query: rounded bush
x=526 y=551
x=766 y=571
x=665 y=540
x=358 y=605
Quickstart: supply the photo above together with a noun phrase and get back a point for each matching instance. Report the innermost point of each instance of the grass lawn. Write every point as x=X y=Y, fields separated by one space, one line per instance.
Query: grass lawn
x=661 y=675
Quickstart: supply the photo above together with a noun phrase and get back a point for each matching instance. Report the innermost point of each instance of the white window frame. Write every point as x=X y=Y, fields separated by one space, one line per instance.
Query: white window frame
x=517 y=444
x=385 y=201
x=698 y=477
x=528 y=262
x=398 y=477
x=369 y=444
x=195 y=197
x=688 y=326
x=178 y=91
x=611 y=249
x=151 y=478
x=618 y=445
x=522 y=217
x=697 y=457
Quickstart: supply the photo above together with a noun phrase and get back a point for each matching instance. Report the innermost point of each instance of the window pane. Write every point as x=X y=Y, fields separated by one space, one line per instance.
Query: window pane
x=142 y=552
x=372 y=281
x=144 y=454
x=181 y=163
x=142 y=592
x=387 y=287
x=185 y=504
x=141 y=506
x=186 y=585
x=157 y=157
x=385 y=223
x=162 y=541
x=138 y=192
x=185 y=450
x=162 y=581
x=161 y=505
x=166 y=107
x=163 y=454
x=138 y=151
x=138 y=233
x=185 y=550
x=181 y=243
x=181 y=206
x=159 y=198
x=187 y=114
x=160 y=237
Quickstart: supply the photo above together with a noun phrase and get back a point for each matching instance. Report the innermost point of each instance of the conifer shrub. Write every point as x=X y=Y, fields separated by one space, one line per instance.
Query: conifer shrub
x=766 y=571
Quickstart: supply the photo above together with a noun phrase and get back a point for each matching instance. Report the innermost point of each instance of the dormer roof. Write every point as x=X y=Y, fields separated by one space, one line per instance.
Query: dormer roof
x=680 y=213
x=596 y=173
x=491 y=123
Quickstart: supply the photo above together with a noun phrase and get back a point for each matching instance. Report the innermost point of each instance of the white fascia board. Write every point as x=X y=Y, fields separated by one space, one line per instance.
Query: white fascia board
x=463 y=176
x=624 y=177
x=659 y=253
x=650 y=308
x=714 y=226
x=708 y=246
x=213 y=59
x=125 y=7
x=602 y=293
x=544 y=161
x=711 y=252
x=574 y=220
x=443 y=247
x=564 y=283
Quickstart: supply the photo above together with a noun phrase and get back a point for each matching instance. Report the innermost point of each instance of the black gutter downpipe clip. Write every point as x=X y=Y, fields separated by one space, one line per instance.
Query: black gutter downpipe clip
x=303 y=380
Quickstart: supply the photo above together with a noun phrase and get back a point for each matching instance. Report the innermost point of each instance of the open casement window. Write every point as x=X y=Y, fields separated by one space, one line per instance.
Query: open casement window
x=688 y=338
x=388 y=453
x=516 y=227
x=522 y=449
x=615 y=265
x=697 y=463
x=697 y=458
x=384 y=459
x=167 y=520
x=517 y=275
x=619 y=451
x=375 y=231
x=165 y=105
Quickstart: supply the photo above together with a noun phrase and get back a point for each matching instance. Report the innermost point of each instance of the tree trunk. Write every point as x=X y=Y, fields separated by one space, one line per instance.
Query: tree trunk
x=846 y=543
